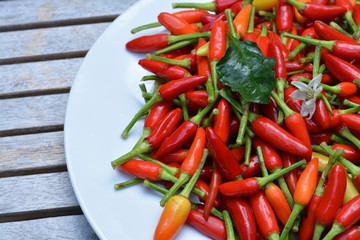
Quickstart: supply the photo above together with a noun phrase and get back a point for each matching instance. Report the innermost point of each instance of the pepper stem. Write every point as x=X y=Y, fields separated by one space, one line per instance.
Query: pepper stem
x=128 y=183
x=229 y=18
x=338 y=28
x=251 y=20
x=273 y=236
x=226 y=93
x=177 y=38
x=183 y=178
x=145 y=26
x=175 y=46
x=183 y=103
x=203 y=50
x=336 y=229
x=326 y=44
x=284 y=107
x=248 y=143
x=316 y=63
x=345 y=132
x=243 y=122
x=209 y=6
x=285 y=189
x=264 y=180
x=298 y=5
x=350 y=21
x=144 y=147
x=171 y=170
x=318 y=230
x=214 y=77
x=198 y=117
x=261 y=161
x=298 y=207
x=296 y=51
x=230 y=234
x=185 y=63
x=353 y=109
x=154 y=99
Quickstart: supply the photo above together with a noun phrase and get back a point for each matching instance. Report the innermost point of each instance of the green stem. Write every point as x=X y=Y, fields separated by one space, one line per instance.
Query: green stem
x=251 y=20
x=183 y=102
x=318 y=230
x=350 y=21
x=345 y=132
x=357 y=82
x=144 y=147
x=155 y=99
x=214 y=77
x=226 y=93
x=190 y=185
x=177 y=38
x=228 y=225
x=209 y=6
x=322 y=68
x=329 y=45
x=332 y=89
x=298 y=207
x=336 y=229
x=128 y=183
x=153 y=77
x=296 y=51
x=203 y=50
x=316 y=63
x=264 y=180
x=295 y=72
x=284 y=107
x=145 y=26
x=243 y=122
x=285 y=189
x=261 y=161
x=185 y=63
x=327 y=103
x=146 y=132
x=175 y=46
x=248 y=147
x=229 y=18
x=209 y=121
x=266 y=14
x=338 y=28
x=353 y=109
x=183 y=178
x=169 y=169
x=337 y=139
x=349 y=103
x=273 y=236
x=210 y=89
x=198 y=117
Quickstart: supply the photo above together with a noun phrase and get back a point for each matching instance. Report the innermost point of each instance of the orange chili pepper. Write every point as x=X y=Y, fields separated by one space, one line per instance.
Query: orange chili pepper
x=241 y=20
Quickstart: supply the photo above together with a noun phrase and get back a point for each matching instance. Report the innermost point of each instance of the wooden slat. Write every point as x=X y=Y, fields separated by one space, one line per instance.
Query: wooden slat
x=19 y=11
x=36 y=192
x=32 y=112
x=68 y=227
x=38 y=75
x=31 y=152
x=49 y=40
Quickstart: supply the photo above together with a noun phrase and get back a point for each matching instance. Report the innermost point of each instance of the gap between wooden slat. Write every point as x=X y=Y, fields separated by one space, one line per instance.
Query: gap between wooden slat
x=58 y=23
x=30 y=171
x=37 y=214
x=37 y=92
x=43 y=57
x=34 y=130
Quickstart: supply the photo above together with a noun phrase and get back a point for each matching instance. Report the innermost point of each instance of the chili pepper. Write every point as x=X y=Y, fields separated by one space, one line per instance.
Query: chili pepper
x=292 y=66
x=177 y=208
x=351 y=153
x=174 y=24
x=291 y=177
x=190 y=164
x=348 y=215
x=318 y=12
x=284 y=16
x=343 y=49
x=157 y=135
x=252 y=169
x=163 y=70
x=157 y=112
x=241 y=20
x=213 y=227
x=222 y=120
x=148 y=43
x=191 y=16
x=356 y=14
x=212 y=194
x=303 y=193
x=326 y=32
x=215 y=6
x=271 y=158
x=275 y=37
x=198 y=97
x=270 y=110
x=177 y=156
x=250 y=34
x=351 y=120
x=321 y=2
x=331 y=200
x=238 y=152
x=309 y=219
x=263 y=41
x=146 y=170
x=264 y=215
x=221 y=155
x=243 y=217
x=203 y=65
x=345 y=3
x=203 y=186
x=299 y=18
x=321 y=115
x=250 y=186
x=352 y=233
x=279 y=137
x=323 y=136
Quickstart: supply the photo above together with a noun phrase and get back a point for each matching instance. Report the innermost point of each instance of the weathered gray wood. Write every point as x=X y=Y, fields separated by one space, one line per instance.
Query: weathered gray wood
x=35 y=192
x=49 y=40
x=31 y=112
x=67 y=227
x=38 y=75
x=18 y=11
x=32 y=151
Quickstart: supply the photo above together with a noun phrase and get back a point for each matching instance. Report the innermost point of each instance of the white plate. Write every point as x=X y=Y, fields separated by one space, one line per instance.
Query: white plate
x=103 y=98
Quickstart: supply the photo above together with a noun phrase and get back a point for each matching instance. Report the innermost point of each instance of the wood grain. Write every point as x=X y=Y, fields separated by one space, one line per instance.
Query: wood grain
x=18 y=11
x=49 y=40
x=32 y=112
x=66 y=227
x=36 y=192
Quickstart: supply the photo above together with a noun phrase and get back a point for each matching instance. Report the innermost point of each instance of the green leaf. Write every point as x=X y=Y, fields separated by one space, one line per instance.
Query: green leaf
x=245 y=70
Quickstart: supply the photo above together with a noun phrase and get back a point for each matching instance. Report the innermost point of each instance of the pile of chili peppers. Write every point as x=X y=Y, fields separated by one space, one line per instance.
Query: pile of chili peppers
x=277 y=170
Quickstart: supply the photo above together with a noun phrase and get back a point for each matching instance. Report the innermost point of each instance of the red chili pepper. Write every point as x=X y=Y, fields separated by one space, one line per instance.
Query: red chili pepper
x=351 y=120
x=284 y=16
x=341 y=69
x=250 y=186
x=252 y=169
x=221 y=155
x=213 y=227
x=280 y=67
x=292 y=66
x=351 y=153
x=275 y=37
x=177 y=156
x=163 y=70
x=174 y=24
x=326 y=32
x=356 y=14
x=332 y=198
x=198 y=97
x=279 y=137
x=348 y=215
x=291 y=177
x=203 y=186
x=318 y=12
x=270 y=110
x=321 y=2
x=217 y=43
x=243 y=217
x=323 y=136
x=215 y=182
x=157 y=112
x=345 y=3
x=203 y=65
x=264 y=215
x=309 y=219
x=222 y=120
x=310 y=31
x=263 y=41
x=350 y=234
x=303 y=193
x=149 y=43
x=191 y=16
x=272 y=159
x=321 y=115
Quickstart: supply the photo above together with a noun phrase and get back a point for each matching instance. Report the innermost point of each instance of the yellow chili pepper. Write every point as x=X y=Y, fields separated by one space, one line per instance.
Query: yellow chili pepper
x=264 y=5
x=323 y=160
x=350 y=191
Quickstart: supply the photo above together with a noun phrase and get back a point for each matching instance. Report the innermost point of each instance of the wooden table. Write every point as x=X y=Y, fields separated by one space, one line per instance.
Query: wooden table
x=42 y=45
